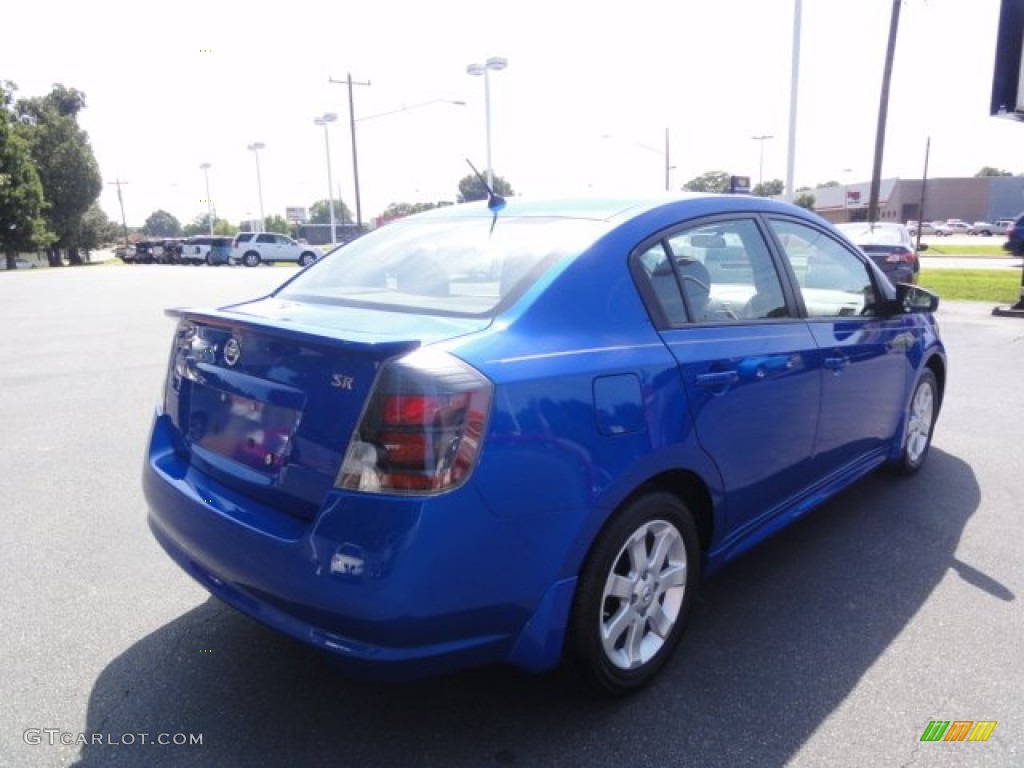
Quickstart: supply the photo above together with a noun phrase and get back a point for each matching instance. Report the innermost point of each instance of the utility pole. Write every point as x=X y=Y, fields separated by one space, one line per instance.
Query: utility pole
x=924 y=185
x=352 y=130
x=883 y=112
x=120 y=200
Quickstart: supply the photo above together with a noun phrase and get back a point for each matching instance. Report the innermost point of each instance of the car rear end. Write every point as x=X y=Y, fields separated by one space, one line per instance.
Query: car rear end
x=312 y=461
x=219 y=251
x=889 y=246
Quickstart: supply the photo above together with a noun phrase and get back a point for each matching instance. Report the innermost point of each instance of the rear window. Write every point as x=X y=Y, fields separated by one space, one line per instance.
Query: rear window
x=458 y=266
x=863 y=234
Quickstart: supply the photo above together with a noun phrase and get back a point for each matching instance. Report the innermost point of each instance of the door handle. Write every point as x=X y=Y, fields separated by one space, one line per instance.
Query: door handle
x=836 y=364
x=717 y=380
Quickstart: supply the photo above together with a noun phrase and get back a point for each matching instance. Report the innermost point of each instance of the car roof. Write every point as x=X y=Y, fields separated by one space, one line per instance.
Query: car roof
x=613 y=209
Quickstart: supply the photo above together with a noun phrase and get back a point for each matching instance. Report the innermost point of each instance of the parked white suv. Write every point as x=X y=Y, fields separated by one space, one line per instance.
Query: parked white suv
x=253 y=248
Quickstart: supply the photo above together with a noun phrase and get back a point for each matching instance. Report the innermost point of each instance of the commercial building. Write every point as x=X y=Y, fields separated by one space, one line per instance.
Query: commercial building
x=976 y=198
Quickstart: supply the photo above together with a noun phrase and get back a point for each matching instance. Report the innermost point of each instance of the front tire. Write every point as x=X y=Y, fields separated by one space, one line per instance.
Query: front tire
x=306 y=259
x=251 y=259
x=634 y=594
x=917 y=435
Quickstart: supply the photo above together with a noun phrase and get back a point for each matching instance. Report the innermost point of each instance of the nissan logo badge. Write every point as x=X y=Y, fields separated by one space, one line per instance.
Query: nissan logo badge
x=232 y=351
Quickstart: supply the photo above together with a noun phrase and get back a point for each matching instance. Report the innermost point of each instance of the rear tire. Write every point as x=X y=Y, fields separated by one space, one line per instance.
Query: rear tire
x=634 y=594
x=921 y=415
x=251 y=259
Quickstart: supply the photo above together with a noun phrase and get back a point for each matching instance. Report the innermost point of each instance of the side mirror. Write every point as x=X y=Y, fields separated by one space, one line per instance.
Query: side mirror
x=913 y=298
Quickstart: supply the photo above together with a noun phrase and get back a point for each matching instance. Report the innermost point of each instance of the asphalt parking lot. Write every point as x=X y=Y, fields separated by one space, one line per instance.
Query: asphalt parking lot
x=834 y=644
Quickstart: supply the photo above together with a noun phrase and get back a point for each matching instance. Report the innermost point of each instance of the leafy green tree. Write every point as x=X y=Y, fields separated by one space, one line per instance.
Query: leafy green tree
x=200 y=225
x=162 y=224
x=21 y=194
x=711 y=181
x=471 y=188
x=65 y=163
x=830 y=184
x=276 y=223
x=398 y=210
x=97 y=229
x=320 y=213
x=805 y=200
x=988 y=170
x=769 y=188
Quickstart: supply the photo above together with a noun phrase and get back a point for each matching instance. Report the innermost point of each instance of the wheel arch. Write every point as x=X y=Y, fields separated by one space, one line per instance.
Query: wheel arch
x=689 y=488
x=938 y=367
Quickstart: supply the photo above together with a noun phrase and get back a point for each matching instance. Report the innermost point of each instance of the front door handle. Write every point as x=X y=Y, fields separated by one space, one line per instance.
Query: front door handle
x=836 y=364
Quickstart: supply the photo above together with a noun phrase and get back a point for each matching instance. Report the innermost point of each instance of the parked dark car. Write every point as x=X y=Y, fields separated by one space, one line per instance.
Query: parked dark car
x=889 y=246
x=144 y=251
x=220 y=250
x=1015 y=237
x=521 y=432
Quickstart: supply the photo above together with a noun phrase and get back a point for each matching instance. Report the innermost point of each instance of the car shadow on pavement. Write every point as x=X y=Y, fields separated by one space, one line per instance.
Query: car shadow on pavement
x=777 y=641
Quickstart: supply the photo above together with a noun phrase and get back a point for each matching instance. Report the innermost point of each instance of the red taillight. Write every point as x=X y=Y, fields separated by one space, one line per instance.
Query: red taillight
x=421 y=429
x=901 y=255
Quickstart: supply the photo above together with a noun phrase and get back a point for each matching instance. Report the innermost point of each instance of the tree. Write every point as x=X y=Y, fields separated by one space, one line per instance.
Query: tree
x=200 y=225
x=711 y=181
x=830 y=184
x=320 y=213
x=21 y=193
x=65 y=163
x=805 y=200
x=988 y=170
x=769 y=188
x=398 y=210
x=276 y=223
x=162 y=224
x=97 y=230
x=471 y=188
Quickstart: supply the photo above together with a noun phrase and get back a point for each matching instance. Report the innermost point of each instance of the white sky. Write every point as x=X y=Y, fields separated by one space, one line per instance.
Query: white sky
x=170 y=85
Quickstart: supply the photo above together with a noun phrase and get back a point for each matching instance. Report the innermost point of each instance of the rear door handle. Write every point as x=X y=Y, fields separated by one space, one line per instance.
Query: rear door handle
x=717 y=380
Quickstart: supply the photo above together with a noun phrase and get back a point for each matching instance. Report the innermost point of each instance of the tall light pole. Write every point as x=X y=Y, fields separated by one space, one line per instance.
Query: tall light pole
x=760 y=162
x=326 y=119
x=665 y=153
x=794 y=88
x=209 y=203
x=255 y=147
x=495 y=63
x=352 y=131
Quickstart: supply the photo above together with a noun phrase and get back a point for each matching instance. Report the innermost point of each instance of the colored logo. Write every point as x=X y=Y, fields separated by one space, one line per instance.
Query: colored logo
x=958 y=730
x=232 y=351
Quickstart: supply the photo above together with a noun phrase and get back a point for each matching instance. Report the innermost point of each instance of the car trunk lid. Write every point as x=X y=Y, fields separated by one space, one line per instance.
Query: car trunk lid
x=265 y=396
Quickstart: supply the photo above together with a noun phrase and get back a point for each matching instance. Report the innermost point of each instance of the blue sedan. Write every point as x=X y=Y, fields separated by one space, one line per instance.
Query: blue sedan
x=520 y=432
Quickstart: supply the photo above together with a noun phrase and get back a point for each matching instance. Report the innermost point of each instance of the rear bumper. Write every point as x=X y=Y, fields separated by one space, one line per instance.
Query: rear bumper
x=393 y=587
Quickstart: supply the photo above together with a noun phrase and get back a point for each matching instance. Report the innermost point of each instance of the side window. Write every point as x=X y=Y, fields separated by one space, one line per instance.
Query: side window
x=264 y=238
x=831 y=279
x=282 y=240
x=727 y=272
x=652 y=268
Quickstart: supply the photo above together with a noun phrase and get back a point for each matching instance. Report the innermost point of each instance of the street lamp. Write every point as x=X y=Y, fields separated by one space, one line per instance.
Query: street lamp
x=352 y=130
x=665 y=153
x=255 y=148
x=209 y=203
x=760 y=165
x=326 y=119
x=496 y=63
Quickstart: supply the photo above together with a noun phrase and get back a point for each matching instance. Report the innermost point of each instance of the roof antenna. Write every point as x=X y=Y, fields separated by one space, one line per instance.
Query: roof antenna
x=495 y=202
